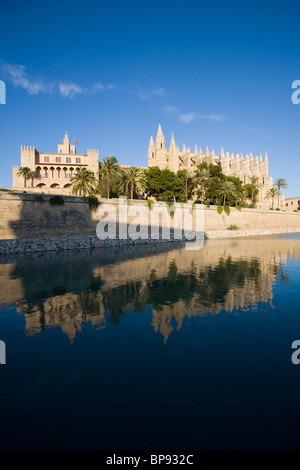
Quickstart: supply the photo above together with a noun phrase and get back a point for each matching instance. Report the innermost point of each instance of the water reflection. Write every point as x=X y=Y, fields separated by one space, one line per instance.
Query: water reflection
x=69 y=289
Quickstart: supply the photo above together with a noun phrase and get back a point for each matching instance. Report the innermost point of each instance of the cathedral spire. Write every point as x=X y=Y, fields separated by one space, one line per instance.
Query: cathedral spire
x=151 y=149
x=160 y=139
x=173 y=145
x=151 y=144
x=159 y=131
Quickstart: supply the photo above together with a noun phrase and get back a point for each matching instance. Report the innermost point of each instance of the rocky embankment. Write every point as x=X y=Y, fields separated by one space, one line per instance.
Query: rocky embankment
x=89 y=242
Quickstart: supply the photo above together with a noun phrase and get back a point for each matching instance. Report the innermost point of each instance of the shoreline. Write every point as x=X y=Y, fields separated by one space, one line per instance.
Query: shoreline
x=92 y=242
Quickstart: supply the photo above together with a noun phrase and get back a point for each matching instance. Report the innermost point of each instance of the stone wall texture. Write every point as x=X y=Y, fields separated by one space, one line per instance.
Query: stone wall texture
x=22 y=216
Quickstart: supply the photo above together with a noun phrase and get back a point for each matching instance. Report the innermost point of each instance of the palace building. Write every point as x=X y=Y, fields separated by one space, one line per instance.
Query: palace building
x=53 y=171
x=232 y=165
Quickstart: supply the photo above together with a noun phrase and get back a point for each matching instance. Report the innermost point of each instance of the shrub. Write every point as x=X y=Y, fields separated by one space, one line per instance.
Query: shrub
x=56 y=201
x=238 y=208
x=39 y=198
x=93 y=202
x=206 y=203
x=277 y=209
x=271 y=208
x=252 y=206
x=170 y=210
x=233 y=227
x=227 y=210
x=219 y=209
x=295 y=210
x=150 y=203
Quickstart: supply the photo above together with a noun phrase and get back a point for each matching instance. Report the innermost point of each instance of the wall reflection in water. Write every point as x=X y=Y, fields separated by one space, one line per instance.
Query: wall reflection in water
x=68 y=289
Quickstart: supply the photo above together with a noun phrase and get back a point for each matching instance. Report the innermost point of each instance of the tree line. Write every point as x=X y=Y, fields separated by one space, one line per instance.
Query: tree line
x=208 y=184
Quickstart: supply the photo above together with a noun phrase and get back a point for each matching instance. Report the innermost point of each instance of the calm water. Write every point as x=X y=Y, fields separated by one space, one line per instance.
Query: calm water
x=167 y=349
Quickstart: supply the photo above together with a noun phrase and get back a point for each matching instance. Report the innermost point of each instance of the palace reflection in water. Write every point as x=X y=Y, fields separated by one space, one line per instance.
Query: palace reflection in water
x=67 y=289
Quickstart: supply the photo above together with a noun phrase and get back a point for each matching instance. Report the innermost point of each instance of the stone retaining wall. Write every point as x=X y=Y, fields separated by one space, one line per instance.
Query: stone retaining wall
x=73 y=224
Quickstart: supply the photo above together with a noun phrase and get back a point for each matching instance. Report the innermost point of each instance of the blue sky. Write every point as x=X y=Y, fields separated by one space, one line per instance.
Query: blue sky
x=216 y=74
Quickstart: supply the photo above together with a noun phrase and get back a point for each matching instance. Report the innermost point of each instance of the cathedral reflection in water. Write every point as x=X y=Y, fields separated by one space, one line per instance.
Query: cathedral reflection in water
x=69 y=289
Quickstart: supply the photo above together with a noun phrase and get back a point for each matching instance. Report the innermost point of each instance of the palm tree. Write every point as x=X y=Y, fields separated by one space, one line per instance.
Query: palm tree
x=202 y=176
x=271 y=194
x=280 y=183
x=226 y=189
x=83 y=182
x=26 y=173
x=186 y=177
x=254 y=184
x=133 y=178
x=242 y=196
x=108 y=167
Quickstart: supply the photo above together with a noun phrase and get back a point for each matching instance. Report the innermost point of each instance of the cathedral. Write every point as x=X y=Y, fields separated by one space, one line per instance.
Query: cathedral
x=232 y=165
x=53 y=171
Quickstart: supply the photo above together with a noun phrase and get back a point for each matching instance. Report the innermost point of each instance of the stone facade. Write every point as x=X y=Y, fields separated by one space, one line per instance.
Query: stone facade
x=292 y=203
x=232 y=165
x=54 y=170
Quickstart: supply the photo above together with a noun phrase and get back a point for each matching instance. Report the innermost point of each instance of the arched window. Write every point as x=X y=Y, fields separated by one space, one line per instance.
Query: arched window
x=52 y=172
x=46 y=174
x=71 y=172
x=78 y=160
x=38 y=172
x=65 y=172
x=58 y=172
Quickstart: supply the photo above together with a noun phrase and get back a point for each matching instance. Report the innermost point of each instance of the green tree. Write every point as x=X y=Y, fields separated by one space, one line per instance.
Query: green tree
x=254 y=184
x=202 y=177
x=242 y=196
x=239 y=190
x=280 y=183
x=133 y=178
x=163 y=184
x=26 y=173
x=83 y=182
x=108 y=168
x=271 y=194
x=188 y=183
x=214 y=183
x=226 y=189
